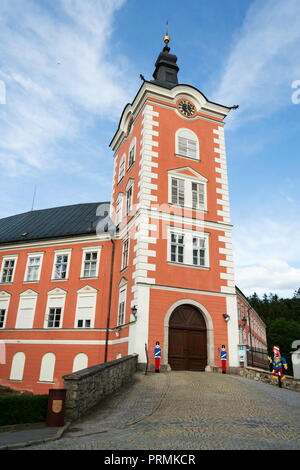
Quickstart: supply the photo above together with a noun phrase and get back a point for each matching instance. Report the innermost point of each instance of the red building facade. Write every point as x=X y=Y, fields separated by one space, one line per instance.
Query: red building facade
x=158 y=268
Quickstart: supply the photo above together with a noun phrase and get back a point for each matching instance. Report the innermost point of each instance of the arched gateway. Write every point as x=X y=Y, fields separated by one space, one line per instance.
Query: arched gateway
x=187 y=339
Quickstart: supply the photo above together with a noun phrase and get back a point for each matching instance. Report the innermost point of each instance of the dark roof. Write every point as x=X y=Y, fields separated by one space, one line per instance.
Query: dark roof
x=64 y=221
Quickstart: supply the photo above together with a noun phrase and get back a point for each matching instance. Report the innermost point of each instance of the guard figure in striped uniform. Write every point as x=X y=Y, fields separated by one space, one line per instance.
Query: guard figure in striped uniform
x=223 y=359
x=157 y=356
x=279 y=363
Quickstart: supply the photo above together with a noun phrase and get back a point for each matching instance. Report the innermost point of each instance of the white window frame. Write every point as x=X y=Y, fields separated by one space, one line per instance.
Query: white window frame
x=34 y=255
x=122 y=167
x=178 y=236
x=80 y=362
x=180 y=190
x=122 y=288
x=67 y=252
x=188 y=191
x=126 y=240
x=132 y=147
x=199 y=247
x=29 y=294
x=86 y=291
x=4 y=259
x=47 y=369
x=4 y=305
x=61 y=296
x=17 y=366
x=129 y=187
x=90 y=249
x=119 y=213
x=188 y=247
x=190 y=135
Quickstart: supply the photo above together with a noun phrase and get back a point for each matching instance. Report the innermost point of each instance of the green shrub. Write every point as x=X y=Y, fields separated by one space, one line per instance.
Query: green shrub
x=19 y=409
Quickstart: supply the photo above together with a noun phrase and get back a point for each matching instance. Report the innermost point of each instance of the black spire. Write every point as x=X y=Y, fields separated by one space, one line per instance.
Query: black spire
x=166 y=69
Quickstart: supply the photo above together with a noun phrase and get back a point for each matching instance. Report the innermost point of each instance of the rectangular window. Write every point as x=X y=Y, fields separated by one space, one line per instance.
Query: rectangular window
x=54 y=317
x=177 y=248
x=121 y=312
x=197 y=195
x=119 y=208
x=2 y=317
x=33 y=268
x=188 y=247
x=85 y=309
x=125 y=253
x=84 y=324
x=198 y=251
x=8 y=270
x=61 y=265
x=178 y=191
x=122 y=168
x=129 y=200
x=131 y=156
x=26 y=311
x=187 y=147
x=90 y=264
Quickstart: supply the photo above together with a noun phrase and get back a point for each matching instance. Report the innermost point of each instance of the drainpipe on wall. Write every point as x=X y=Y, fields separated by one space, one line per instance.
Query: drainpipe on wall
x=109 y=298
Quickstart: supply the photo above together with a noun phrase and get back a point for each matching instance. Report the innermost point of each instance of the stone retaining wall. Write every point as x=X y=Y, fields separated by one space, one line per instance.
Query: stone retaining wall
x=266 y=376
x=87 y=387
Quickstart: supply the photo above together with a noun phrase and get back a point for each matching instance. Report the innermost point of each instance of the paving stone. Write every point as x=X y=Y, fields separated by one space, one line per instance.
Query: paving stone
x=189 y=410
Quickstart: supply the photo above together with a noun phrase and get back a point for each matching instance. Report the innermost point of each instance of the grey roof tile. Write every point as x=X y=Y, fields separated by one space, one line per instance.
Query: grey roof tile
x=63 y=221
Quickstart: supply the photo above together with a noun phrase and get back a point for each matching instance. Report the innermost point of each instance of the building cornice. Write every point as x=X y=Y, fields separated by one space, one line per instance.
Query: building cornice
x=54 y=242
x=148 y=89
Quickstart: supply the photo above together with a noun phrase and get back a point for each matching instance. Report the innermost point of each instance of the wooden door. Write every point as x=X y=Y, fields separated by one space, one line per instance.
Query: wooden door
x=187 y=339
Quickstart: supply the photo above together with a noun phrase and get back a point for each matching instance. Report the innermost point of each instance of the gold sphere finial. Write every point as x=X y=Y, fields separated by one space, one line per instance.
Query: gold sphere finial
x=167 y=37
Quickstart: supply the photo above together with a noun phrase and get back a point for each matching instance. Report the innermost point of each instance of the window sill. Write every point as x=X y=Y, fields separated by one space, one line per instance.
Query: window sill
x=31 y=282
x=173 y=263
x=88 y=277
x=188 y=158
x=59 y=280
x=202 y=210
x=6 y=283
x=44 y=382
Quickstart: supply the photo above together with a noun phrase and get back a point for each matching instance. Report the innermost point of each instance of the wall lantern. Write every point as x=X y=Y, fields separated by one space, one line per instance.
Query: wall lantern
x=226 y=317
x=134 y=312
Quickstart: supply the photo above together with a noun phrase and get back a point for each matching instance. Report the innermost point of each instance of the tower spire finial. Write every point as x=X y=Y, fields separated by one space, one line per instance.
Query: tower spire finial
x=167 y=37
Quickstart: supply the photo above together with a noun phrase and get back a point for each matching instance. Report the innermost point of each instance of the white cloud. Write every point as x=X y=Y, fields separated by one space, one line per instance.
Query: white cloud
x=59 y=74
x=266 y=253
x=264 y=60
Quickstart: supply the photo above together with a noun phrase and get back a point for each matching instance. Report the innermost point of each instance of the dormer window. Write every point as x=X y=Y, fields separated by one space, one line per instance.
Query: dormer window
x=187 y=144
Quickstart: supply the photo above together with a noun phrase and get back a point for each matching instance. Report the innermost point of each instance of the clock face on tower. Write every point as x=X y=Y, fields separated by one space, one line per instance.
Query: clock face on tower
x=186 y=108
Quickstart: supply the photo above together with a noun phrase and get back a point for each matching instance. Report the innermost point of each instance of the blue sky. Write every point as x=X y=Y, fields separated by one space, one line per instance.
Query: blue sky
x=70 y=66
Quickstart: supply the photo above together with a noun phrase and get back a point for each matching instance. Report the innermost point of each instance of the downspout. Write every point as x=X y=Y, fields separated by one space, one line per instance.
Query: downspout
x=109 y=299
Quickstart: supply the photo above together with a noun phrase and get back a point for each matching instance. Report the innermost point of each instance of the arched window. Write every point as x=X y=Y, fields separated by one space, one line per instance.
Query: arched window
x=17 y=366
x=187 y=144
x=47 y=368
x=80 y=362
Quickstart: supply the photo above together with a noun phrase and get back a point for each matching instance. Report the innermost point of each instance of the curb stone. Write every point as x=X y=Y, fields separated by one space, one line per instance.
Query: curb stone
x=18 y=445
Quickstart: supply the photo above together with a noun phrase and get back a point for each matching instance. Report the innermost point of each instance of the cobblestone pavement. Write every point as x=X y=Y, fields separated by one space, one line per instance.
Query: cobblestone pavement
x=189 y=411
